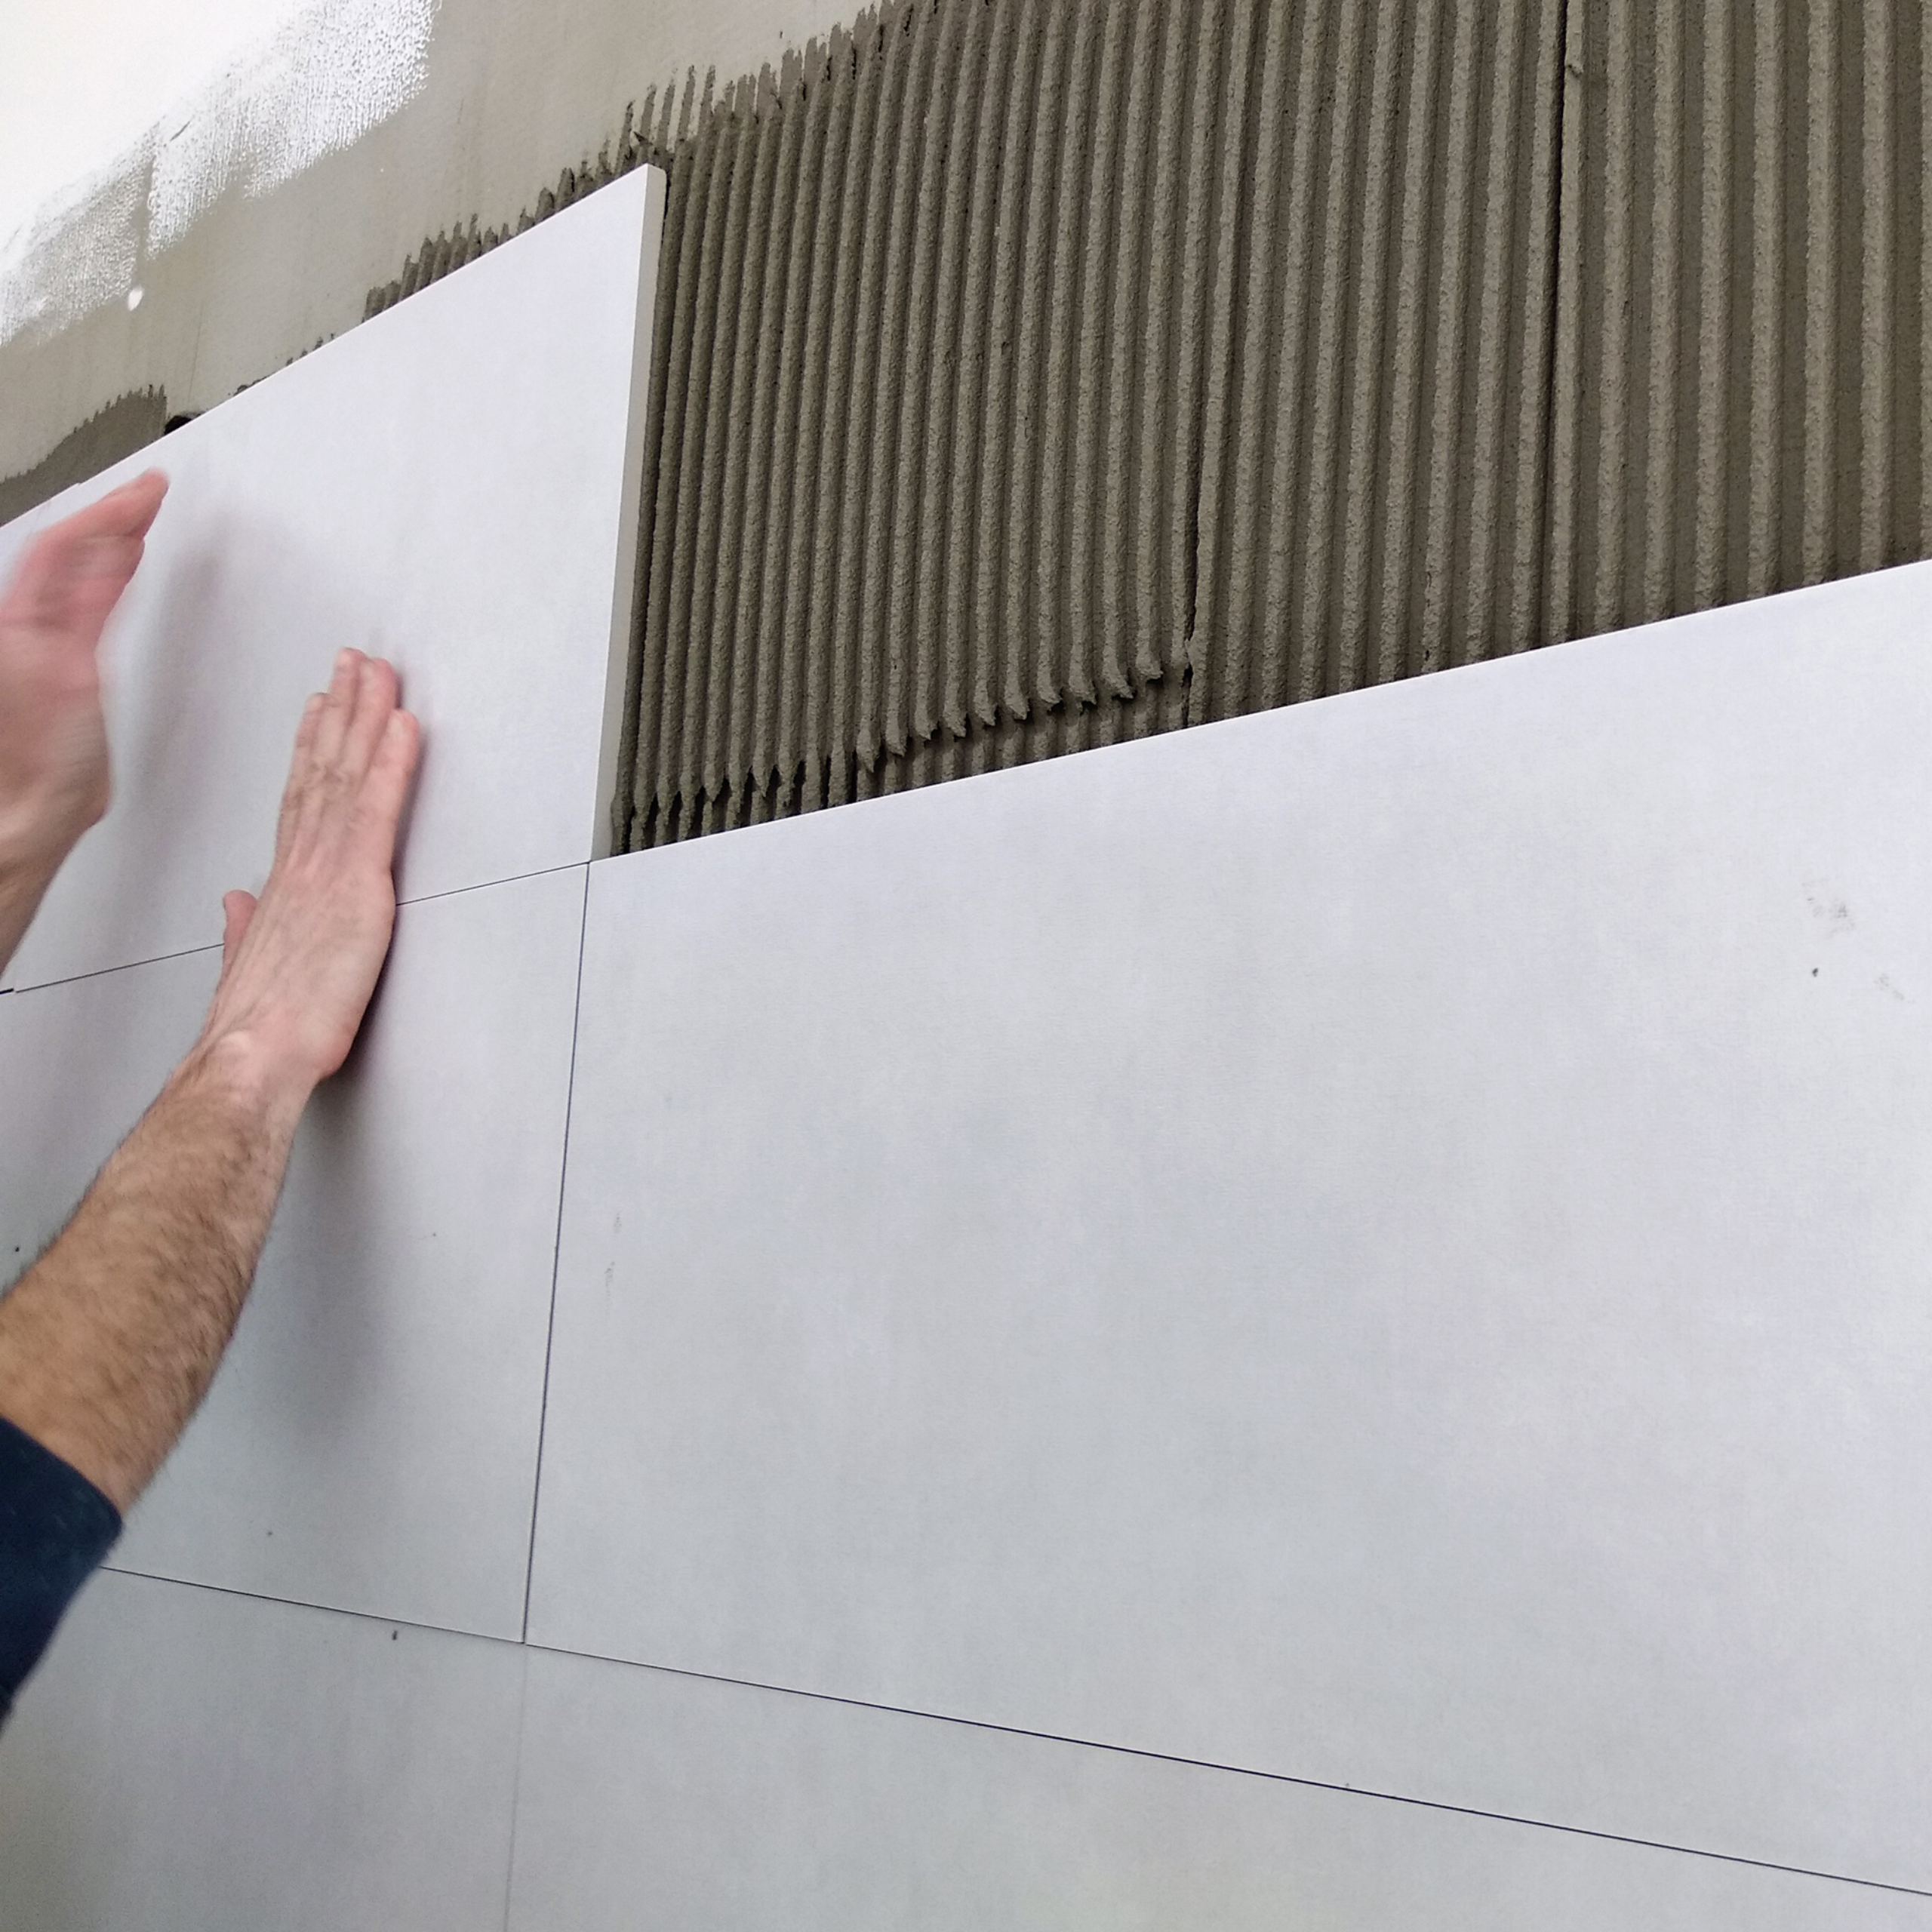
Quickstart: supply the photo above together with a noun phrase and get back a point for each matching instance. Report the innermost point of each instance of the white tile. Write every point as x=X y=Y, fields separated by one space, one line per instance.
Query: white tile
x=185 y=1761
x=647 y=1799
x=370 y=1441
x=452 y=485
x=1383 y=1242
x=79 y=1064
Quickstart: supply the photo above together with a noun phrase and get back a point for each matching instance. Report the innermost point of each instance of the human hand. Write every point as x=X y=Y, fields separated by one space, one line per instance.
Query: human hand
x=54 y=775
x=299 y=964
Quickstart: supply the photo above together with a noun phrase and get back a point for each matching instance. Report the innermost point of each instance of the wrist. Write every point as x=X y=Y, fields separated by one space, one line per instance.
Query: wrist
x=241 y=1070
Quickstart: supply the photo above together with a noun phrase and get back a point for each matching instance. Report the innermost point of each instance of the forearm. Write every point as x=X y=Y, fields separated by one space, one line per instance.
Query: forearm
x=109 y=1340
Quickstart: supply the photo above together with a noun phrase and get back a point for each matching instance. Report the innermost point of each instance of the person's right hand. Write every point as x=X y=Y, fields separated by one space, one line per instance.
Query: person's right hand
x=299 y=964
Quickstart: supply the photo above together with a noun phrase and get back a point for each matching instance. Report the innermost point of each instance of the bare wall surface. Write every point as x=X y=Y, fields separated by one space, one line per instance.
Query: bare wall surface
x=511 y=95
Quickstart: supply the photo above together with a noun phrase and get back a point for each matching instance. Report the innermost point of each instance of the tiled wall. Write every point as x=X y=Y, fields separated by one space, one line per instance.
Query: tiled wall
x=1318 y=1321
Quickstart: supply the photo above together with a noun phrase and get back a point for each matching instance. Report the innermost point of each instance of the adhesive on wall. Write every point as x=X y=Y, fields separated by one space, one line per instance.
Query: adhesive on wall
x=1029 y=375
x=130 y=423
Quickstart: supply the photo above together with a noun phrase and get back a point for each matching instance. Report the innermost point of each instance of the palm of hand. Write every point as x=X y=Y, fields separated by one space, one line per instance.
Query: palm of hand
x=53 y=769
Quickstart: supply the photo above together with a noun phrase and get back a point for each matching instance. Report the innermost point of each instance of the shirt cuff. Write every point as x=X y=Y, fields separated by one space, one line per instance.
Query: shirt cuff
x=55 y=1527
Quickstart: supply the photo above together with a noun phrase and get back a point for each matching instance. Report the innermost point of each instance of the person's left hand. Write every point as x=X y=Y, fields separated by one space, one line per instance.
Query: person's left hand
x=53 y=776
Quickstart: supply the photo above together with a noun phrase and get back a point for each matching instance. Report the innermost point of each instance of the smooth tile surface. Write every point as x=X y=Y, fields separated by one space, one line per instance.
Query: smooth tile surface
x=1383 y=1242
x=452 y=485
x=186 y=1760
x=370 y=1441
x=647 y=1799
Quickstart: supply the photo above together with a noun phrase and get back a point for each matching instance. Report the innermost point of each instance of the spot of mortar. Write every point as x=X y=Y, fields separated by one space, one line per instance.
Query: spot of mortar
x=1828 y=907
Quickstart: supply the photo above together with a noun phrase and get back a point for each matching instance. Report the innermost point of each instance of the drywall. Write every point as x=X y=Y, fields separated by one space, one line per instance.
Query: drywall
x=361 y=498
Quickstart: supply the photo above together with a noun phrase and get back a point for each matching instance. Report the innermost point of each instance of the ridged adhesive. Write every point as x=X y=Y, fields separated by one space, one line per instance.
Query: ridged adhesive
x=1030 y=375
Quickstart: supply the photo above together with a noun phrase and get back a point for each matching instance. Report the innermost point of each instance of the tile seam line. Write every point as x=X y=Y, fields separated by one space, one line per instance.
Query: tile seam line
x=556 y=1261
x=516 y=1789
x=1046 y=1737
x=214 y=945
x=1249 y=1771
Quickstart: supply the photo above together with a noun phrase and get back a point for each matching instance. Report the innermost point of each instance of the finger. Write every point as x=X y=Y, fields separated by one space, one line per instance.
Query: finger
x=102 y=541
x=338 y=702
x=128 y=512
x=391 y=769
x=376 y=691
x=124 y=514
x=300 y=765
x=305 y=730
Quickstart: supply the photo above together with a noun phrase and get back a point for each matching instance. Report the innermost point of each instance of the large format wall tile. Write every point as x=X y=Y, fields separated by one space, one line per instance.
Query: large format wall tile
x=370 y=1441
x=646 y=1798
x=1383 y=1242
x=187 y=1761
x=454 y=485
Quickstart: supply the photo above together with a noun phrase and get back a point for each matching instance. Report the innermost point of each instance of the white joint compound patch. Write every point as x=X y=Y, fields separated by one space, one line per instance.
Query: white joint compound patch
x=316 y=83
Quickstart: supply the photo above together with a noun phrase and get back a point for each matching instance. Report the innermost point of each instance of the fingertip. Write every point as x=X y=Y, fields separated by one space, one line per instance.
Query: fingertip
x=396 y=754
x=402 y=728
x=312 y=710
x=389 y=681
x=149 y=488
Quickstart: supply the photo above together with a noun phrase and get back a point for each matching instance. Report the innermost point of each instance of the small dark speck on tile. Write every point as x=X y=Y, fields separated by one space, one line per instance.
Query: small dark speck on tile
x=1814 y=972
x=394 y=1634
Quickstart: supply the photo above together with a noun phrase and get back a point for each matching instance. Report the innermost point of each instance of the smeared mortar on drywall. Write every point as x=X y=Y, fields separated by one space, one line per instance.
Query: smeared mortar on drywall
x=128 y=424
x=318 y=83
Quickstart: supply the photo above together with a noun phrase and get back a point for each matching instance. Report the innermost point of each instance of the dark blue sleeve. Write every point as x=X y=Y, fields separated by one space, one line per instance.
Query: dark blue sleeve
x=55 y=1525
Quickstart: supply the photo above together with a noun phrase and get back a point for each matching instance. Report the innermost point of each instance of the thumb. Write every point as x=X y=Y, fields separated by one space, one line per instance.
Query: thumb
x=237 y=909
